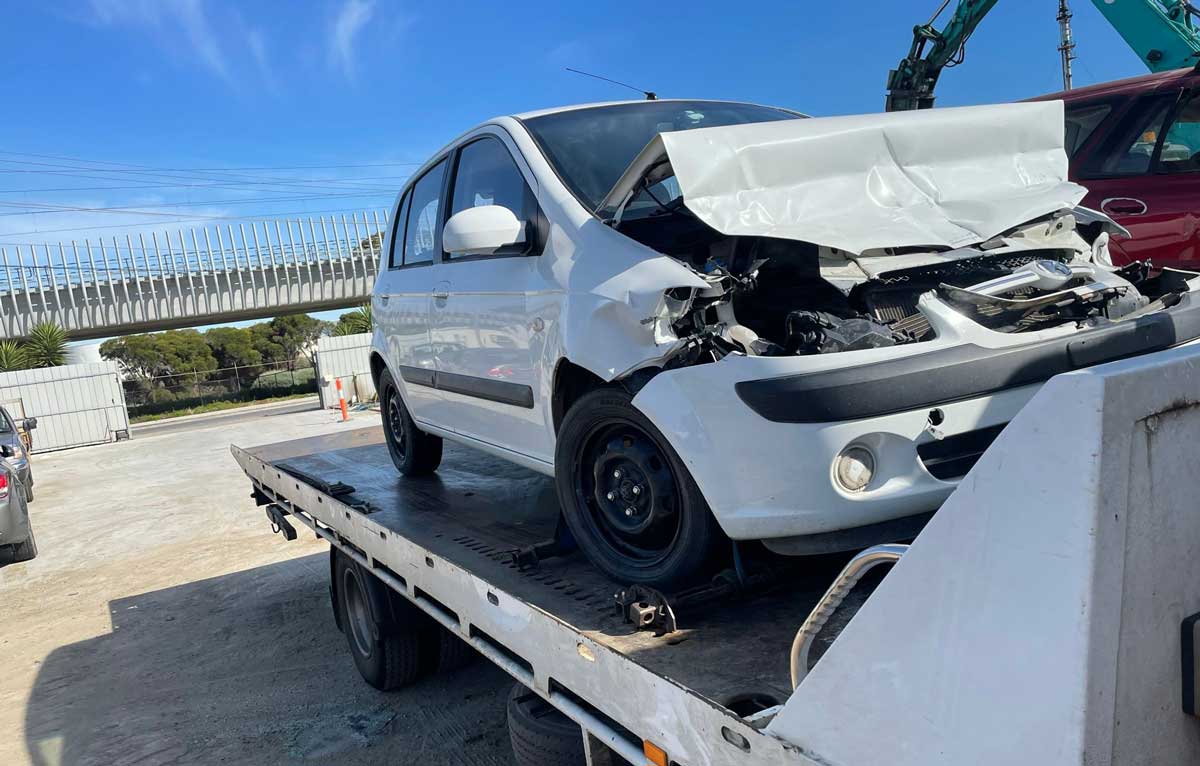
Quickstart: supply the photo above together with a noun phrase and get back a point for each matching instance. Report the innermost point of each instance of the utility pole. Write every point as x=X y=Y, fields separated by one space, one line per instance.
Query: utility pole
x=1066 y=46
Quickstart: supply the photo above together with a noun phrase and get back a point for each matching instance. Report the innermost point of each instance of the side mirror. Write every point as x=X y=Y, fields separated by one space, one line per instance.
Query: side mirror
x=482 y=230
x=30 y=424
x=7 y=450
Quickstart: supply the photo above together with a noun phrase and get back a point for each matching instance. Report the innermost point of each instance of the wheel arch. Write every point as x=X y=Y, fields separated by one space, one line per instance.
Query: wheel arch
x=571 y=381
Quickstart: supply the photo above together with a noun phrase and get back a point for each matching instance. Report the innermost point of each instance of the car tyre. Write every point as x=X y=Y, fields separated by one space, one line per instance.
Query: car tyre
x=26 y=551
x=28 y=493
x=390 y=651
x=540 y=734
x=414 y=452
x=627 y=498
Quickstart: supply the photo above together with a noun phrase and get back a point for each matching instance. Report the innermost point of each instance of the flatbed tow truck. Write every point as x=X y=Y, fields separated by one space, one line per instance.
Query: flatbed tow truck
x=1045 y=615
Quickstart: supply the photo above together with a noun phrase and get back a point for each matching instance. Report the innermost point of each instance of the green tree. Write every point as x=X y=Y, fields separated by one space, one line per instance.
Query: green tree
x=12 y=356
x=297 y=334
x=354 y=322
x=185 y=351
x=139 y=355
x=234 y=347
x=261 y=337
x=46 y=345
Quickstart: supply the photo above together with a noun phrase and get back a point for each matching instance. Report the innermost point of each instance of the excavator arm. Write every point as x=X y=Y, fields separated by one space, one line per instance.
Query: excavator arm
x=1160 y=32
x=911 y=83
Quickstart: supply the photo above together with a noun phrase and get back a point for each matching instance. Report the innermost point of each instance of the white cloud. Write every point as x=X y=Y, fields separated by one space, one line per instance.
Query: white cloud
x=351 y=18
x=169 y=21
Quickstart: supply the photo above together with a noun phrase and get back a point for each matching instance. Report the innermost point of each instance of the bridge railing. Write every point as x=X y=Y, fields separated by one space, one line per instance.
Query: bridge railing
x=290 y=243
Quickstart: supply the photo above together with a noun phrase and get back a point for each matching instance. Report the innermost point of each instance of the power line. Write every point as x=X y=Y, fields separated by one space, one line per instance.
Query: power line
x=272 y=217
x=214 y=185
x=205 y=170
x=47 y=207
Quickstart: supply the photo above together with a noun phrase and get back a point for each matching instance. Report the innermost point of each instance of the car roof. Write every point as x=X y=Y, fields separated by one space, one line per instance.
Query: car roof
x=575 y=107
x=1145 y=82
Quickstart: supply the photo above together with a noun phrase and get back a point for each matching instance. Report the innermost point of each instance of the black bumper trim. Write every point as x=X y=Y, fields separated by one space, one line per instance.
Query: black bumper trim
x=501 y=391
x=961 y=372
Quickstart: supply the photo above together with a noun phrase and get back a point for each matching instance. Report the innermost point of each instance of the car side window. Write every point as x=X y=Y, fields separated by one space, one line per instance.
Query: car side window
x=1082 y=122
x=1180 y=151
x=422 y=236
x=487 y=175
x=1131 y=150
x=397 y=255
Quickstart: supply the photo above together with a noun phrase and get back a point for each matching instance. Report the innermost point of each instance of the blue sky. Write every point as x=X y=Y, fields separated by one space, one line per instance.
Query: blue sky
x=336 y=95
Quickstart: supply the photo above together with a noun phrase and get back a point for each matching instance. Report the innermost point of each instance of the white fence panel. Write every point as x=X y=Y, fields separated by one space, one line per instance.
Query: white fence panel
x=75 y=404
x=346 y=358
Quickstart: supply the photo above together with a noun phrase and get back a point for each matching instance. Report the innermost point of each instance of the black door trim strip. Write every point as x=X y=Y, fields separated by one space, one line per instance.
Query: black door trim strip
x=501 y=391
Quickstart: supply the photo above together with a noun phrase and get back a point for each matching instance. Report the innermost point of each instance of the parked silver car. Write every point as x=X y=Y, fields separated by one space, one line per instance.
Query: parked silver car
x=16 y=439
x=16 y=533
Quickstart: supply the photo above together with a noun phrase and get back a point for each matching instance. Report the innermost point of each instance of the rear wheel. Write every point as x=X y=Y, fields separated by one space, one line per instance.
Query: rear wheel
x=627 y=497
x=541 y=736
x=414 y=452
x=26 y=551
x=390 y=650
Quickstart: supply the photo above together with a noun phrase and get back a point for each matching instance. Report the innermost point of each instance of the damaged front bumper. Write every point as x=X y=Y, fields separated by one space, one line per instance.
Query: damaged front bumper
x=766 y=457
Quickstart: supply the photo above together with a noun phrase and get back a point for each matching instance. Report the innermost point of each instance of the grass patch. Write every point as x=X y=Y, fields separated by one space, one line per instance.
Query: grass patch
x=214 y=407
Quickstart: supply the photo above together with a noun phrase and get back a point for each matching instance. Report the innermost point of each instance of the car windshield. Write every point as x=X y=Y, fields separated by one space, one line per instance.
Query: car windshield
x=591 y=147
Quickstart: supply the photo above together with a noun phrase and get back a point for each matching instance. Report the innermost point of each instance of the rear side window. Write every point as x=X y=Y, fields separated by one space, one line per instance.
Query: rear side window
x=488 y=175
x=1131 y=150
x=1181 y=146
x=397 y=256
x=1082 y=122
x=422 y=236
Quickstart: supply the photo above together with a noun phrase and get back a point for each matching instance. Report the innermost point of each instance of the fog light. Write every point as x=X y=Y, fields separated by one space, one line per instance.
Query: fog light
x=854 y=468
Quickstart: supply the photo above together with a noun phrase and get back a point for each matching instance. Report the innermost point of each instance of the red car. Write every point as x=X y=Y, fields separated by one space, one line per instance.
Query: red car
x=1135 y=145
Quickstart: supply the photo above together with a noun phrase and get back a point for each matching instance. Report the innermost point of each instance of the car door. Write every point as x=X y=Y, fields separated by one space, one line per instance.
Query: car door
x=487 y=342
x=402 y=295
x=1146 y=179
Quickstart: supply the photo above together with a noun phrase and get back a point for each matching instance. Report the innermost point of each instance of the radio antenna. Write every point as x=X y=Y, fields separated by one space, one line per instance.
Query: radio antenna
x=649 y=94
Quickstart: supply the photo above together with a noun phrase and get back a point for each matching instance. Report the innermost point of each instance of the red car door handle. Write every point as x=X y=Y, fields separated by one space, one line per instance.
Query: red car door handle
x=1123 y=206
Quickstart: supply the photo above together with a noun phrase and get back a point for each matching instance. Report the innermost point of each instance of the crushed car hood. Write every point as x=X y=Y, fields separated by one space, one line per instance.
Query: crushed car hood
x=938 y=178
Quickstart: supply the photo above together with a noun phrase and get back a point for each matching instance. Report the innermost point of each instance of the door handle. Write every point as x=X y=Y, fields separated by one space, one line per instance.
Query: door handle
x=440 y=294
x=383 y=299
x=1124 y=206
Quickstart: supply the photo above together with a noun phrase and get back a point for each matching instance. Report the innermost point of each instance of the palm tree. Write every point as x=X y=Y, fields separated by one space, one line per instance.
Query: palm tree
x=46 y=345
x=354 y=322
x=12 y=356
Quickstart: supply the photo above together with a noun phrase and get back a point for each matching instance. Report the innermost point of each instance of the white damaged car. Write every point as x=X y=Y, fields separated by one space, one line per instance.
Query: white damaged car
x=714 y=320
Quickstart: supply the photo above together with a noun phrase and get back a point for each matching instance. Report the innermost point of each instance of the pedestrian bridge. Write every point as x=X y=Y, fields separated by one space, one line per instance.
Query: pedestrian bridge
x=191 y=277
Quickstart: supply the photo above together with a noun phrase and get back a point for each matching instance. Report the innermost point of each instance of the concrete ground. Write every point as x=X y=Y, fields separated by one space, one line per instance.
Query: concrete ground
x=164 y=623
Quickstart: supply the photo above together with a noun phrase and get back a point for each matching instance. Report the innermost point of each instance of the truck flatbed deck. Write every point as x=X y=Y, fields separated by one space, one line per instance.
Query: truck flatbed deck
x=477 y=509
x=730 y=654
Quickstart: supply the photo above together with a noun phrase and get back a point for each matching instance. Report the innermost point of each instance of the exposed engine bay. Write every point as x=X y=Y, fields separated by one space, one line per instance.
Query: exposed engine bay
x=776 y=297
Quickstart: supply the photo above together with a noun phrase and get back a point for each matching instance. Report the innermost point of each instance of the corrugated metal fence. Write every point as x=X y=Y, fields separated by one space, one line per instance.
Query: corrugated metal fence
x=75 y=404
x=346 y=358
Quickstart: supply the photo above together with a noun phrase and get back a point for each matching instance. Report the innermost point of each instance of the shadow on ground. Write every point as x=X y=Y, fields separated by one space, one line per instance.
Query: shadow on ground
x=249 y=668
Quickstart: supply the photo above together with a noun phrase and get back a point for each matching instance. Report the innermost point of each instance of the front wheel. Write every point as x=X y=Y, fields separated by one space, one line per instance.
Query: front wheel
x=414 y=452
x=627 y=497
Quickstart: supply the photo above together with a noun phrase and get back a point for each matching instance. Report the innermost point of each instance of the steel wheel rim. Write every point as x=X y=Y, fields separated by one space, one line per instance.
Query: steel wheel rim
x=357 y=615
x=648 y=535
x=395 y=420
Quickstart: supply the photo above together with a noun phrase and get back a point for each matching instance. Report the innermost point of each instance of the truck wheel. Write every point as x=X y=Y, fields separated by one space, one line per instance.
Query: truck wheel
x=390 y=650
x=26 y=551
x=453 y=652
x=414 y=452
x=541 y=736
x=627 y=497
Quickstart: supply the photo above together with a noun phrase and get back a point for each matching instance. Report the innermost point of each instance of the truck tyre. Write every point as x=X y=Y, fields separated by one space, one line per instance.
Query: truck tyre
x=453 y=651
x=627 y=497
x=390 y=650
x=541 y=736
x=26 y=551
x=414 y=452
